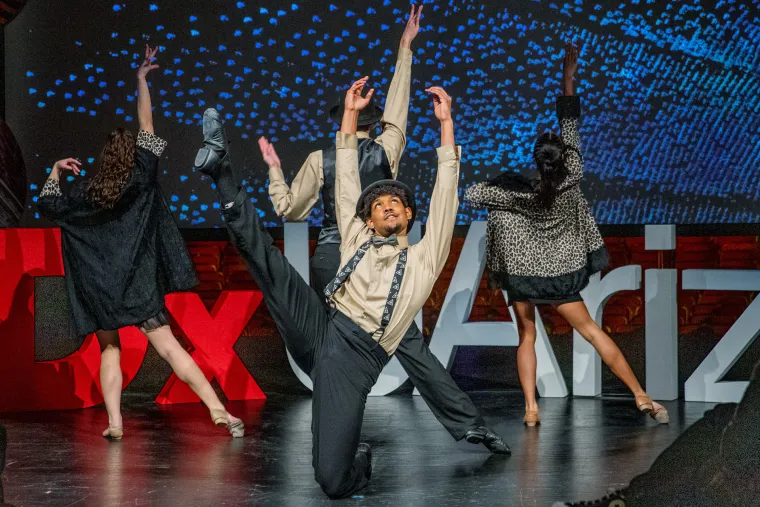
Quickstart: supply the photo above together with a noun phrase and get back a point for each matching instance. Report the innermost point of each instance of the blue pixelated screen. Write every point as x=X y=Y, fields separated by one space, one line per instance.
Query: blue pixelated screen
x=671 y=115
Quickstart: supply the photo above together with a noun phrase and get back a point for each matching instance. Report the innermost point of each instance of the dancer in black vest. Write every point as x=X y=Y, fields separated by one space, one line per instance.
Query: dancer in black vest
x=378 y=160
x=383 y=284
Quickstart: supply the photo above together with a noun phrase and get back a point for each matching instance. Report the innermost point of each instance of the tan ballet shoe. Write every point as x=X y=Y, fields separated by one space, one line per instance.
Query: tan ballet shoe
x=531 y=418
x=652 y=408
x=114 y=432
x=222 y=419
x=236 y=428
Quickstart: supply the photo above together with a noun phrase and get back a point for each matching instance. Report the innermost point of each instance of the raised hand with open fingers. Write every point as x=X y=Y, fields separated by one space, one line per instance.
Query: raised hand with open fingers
x=412 y=27
x=354 y=100
x=570 y=61
x=147 y=65
x=268 y=153
x=441 y=103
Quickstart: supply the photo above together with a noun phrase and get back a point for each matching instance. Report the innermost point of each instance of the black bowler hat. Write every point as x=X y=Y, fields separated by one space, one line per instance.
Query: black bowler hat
x=367 y=116
x=392 y=183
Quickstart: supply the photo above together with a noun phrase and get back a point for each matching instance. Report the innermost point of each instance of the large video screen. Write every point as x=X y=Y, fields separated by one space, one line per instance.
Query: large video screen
x=670 y=90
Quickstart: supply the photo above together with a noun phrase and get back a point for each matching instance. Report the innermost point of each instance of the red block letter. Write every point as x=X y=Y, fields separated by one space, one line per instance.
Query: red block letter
x=213 y=336
x=67 y=383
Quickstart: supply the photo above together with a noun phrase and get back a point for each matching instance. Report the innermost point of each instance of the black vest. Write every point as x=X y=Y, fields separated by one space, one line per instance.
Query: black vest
x=373 y=166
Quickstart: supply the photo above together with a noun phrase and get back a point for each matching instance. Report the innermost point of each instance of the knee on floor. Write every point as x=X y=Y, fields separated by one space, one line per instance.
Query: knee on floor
x=331 y=481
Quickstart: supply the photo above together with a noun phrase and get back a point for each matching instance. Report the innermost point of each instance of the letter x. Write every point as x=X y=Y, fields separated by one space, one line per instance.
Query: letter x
x=212 y=337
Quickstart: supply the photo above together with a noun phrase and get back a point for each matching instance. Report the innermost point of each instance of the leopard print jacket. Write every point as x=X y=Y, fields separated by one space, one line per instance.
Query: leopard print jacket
x=525 y=239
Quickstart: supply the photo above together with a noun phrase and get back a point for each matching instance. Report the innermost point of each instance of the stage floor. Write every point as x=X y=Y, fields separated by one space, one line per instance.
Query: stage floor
x=174 y=456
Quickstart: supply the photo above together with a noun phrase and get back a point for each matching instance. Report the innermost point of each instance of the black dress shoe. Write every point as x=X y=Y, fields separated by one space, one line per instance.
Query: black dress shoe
x=215 y=144
x=366 y=449
x=214 y=136
x=483 y=435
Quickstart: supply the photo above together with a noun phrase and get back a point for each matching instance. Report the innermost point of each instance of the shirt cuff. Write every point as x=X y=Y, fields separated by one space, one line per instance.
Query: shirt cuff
x=150 y=142
x=568 y=106
x=448 y=153
x=51 y=187
x=346 y=141
x=276 y=175
x=404 y=54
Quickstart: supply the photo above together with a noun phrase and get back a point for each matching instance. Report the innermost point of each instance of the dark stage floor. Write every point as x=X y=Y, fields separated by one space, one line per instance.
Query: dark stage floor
x=173 y=456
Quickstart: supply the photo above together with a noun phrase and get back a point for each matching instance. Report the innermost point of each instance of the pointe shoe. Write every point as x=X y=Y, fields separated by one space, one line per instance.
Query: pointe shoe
x=652 y=408
x=531 y=418
x=221 y=419
x=114 y=432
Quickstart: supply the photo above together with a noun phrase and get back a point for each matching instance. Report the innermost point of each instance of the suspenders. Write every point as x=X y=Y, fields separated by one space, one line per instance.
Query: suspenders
x=398 y=276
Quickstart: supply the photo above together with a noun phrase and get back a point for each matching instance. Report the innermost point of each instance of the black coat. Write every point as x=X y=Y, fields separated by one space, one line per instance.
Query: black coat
x=120 y=262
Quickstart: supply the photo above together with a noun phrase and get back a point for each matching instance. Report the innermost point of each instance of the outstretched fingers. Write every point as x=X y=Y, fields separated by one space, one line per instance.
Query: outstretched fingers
x=359 y=84
x=414 y=16
x=438 y=93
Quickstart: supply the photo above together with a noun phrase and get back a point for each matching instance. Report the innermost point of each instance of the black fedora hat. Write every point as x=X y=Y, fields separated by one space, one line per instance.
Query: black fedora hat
x=367 y=116
x=392 y=183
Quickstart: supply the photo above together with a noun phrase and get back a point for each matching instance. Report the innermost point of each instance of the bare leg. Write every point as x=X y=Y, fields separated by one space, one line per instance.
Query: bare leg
x=577 y=316
x=110 y=375
x=526 y=352
x=184 y=367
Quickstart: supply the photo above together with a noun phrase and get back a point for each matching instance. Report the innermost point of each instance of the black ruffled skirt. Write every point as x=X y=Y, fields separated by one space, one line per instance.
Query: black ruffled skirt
x=553 y=290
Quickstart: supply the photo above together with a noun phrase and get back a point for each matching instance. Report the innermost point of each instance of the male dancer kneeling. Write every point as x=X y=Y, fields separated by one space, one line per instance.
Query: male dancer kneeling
x=373 y=300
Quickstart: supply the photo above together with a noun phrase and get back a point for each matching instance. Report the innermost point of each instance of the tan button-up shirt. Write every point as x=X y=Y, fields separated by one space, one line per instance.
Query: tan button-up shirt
x=294 y=202
x=362 y=297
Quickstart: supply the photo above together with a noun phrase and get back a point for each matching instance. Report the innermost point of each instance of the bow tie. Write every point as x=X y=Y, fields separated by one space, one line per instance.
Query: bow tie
x=379 y=241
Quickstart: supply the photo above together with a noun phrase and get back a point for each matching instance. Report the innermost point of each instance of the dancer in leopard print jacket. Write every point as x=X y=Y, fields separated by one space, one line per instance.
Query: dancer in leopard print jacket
x=543 y=245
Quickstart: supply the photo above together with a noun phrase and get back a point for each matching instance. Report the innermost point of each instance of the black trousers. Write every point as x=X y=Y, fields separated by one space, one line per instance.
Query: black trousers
x=450 y=405
x=342 y=360
x=716 y=462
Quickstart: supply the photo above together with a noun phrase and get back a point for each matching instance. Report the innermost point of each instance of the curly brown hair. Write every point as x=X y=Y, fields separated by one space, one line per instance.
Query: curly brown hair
x=116 y=163
x=366 y=209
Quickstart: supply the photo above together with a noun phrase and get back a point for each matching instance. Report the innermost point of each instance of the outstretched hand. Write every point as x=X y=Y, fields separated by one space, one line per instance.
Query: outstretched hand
x=68 y=164
x=441 y=103
x=268 y=153
x=570 y=62
x=354 y=100
x=412 y=27
x=147 y=65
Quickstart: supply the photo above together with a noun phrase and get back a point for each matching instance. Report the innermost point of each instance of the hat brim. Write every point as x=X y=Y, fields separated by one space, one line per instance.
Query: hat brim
x=410 y=197
x=367 y=116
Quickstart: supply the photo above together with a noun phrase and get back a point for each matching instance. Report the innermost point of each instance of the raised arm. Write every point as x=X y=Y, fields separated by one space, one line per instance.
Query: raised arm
x=52 y=203
x=348 y=187
x=144 y=108
x=487 y=195
x=568 y=113
x=393 y=138
x=444 y=201
x=293 y=202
